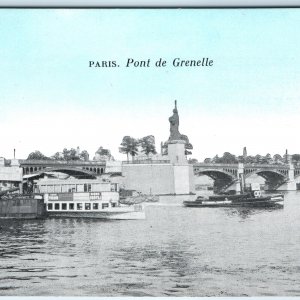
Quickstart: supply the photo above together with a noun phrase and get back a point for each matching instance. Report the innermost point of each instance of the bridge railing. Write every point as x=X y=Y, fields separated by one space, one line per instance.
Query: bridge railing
x=206 y=165
x=261 y=166
x=266 y=166
x=61 y=162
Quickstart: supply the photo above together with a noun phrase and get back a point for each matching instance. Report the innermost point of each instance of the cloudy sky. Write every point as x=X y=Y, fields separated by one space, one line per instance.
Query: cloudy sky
x=50 y=98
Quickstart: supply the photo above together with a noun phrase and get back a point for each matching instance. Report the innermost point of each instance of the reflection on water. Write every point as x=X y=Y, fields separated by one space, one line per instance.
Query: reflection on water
x=176 y=251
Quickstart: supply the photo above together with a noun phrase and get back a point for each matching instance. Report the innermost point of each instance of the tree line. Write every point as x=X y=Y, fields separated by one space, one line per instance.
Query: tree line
x=129 y=146
x=66 y=154
x=229 y=158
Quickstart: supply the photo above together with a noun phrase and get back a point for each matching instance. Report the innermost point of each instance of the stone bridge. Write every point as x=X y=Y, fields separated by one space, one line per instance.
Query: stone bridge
x=230 y=176
x=86 y=169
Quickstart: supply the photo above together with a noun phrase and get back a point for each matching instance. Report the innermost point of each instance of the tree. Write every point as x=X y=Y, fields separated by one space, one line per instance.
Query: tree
x=241 y=158
x=70 y=154
x=164 y=148
x=216 y=159
x=266 y=159
x=84 y=155
x=277 y=158
x=129 y=145
x=148 y=144
x=258 y=159
x=188 y=146
x=37 y=155
x=192 y=160
x=228 y=158
x=57 y=156
x=296 y=157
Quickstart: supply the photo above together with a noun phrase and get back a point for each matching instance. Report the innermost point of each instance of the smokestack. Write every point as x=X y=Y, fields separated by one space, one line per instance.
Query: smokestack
x=14 y=153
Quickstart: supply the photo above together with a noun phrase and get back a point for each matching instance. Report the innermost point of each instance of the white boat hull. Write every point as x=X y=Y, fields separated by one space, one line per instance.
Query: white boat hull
x=116 y=213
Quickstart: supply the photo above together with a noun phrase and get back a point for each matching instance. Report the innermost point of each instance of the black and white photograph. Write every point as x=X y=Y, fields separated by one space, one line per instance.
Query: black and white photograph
x=150 y=152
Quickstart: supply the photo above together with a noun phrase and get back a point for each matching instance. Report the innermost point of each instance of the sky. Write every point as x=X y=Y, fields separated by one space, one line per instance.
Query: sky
x=51 y=99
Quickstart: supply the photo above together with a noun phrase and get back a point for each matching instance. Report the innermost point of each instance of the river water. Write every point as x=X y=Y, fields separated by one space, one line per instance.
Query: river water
x=176 y=251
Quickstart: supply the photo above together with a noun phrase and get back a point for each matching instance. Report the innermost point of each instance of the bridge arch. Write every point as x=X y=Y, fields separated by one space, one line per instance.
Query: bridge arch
x=72 y=171
x=273 y=178
x=222 y=179
x=265 y=173
x=215 y=173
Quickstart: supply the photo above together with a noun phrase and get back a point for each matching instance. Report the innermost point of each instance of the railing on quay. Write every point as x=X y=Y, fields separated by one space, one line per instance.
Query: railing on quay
x=146 y=162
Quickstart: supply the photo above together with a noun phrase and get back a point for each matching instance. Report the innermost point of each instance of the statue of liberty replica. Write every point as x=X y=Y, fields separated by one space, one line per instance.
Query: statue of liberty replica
x=175 y=135
x=174 y=125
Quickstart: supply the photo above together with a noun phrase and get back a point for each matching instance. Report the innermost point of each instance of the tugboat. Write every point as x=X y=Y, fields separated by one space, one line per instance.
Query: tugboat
x=254 y=198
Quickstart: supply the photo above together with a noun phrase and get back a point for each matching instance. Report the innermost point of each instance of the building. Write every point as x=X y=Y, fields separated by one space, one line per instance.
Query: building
x=11 y=174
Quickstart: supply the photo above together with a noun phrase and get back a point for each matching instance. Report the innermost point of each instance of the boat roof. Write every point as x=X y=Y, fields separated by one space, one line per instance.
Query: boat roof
x=71 y=181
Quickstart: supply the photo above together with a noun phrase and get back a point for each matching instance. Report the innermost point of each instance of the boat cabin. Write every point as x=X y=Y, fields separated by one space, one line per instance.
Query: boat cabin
x=78 y=194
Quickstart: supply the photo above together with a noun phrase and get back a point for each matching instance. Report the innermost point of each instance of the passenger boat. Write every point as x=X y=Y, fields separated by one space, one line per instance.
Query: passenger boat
x=252 y=199
x=86 y=198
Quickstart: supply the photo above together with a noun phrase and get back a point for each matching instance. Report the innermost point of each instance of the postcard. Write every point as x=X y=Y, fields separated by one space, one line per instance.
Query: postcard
x=149 y=152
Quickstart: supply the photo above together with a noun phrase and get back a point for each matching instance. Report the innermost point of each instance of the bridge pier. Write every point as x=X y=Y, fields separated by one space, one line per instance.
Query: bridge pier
x=290 y=185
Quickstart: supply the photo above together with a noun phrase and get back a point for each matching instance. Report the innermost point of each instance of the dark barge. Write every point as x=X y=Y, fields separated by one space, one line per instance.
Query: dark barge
x=19 y=206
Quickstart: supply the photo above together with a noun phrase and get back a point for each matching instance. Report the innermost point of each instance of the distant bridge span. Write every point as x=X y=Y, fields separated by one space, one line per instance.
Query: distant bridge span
x=227 y=176
x=75 y=168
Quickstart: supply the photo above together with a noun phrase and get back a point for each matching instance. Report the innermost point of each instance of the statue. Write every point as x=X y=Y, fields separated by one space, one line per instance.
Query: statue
x=174 y=125
x=175 y=135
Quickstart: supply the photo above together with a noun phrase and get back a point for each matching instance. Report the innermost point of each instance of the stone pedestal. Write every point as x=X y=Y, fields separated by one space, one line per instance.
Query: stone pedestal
x=176 y=152
x=183 y=172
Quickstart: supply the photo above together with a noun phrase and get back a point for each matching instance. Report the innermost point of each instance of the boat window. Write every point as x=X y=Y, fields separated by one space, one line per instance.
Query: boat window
x=114 y=187
x=68 y=188
x=64 y=206
x=50 y=206
x=51 y=188
x=80 y=188
x=71 y=206
x=87 y=206
x=57 y=188
x=87 y=187
x=56 y=206
x=104 y=205
x=79 y=206
x=95 y=205
x=72 y=188
x=97 y=187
